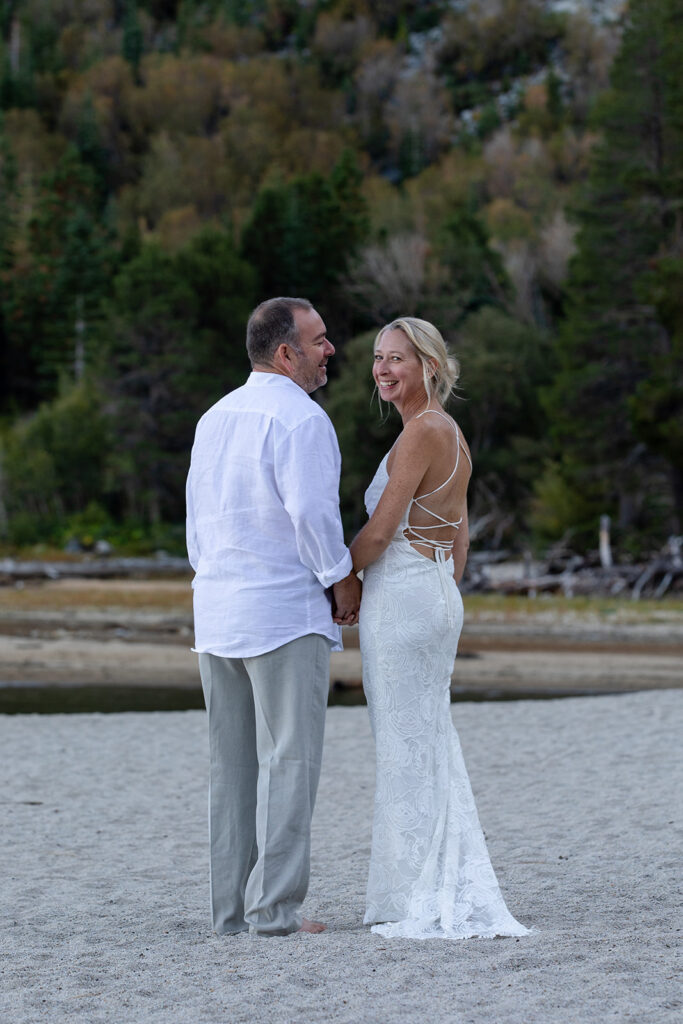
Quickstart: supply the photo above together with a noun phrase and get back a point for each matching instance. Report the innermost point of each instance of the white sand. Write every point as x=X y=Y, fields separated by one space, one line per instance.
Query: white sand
x=104 y=876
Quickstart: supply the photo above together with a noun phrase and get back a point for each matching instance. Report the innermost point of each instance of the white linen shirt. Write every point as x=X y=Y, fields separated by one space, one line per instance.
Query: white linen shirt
x=264 y=534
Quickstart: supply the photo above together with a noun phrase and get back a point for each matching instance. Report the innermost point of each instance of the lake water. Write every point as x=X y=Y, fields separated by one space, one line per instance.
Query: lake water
x=25 y=698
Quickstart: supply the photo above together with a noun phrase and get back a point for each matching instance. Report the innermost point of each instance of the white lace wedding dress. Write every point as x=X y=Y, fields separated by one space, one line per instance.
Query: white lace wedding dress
x=430 y=873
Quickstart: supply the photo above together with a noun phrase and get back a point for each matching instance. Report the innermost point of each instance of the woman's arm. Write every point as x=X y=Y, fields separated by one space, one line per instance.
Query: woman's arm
x=410 y=463
x=460 y=546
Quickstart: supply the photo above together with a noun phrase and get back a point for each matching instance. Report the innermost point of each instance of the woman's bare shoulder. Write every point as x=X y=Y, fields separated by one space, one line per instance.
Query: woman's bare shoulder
x=418 y=433
x=430 y=423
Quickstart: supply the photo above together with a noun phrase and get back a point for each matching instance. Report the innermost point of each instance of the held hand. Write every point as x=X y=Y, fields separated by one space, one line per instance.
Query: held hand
x=346 y=600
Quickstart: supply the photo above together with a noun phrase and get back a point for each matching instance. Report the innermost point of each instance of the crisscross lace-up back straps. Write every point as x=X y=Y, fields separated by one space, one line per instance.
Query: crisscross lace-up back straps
x=417 y=534
x=441 y=548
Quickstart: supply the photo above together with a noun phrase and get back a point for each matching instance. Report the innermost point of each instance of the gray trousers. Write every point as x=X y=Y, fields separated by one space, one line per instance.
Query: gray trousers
x=266 y=721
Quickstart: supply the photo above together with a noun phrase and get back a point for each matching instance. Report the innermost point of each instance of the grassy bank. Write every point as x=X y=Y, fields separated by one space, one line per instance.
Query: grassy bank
x=176 y=596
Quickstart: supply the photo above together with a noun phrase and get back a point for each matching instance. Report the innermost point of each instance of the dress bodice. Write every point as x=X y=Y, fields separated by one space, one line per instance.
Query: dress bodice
x=375 y=492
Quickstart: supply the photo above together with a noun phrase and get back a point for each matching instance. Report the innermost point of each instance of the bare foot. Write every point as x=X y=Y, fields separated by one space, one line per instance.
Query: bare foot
x=314 y=927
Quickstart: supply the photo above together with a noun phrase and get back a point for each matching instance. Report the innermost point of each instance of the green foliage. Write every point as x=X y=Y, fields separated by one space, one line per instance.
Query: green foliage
x=293 y=126
x=617 y=350
x=125 y=536
x=7 y=206
x=301 y=234
x=504 y=365
x=489 y=120
x=561 y=509
x=133 y=42
x=556 y=106
x=53 y=462
x=475 y=276
x=174 y=345
x=90 y=147
x=8 y=185
x=237 y=11
x=61 y=279
x=656 y=405
x=510 y=38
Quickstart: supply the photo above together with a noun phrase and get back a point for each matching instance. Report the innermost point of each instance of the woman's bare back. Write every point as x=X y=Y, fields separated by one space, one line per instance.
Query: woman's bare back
x=439 y=502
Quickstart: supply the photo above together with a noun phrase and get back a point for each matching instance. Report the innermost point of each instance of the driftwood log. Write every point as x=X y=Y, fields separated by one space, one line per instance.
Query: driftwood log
x=487 y=572
x=14 y=570
x=577 y=575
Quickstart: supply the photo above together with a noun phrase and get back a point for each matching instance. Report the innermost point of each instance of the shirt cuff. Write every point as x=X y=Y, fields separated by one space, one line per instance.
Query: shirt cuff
x=339 y=572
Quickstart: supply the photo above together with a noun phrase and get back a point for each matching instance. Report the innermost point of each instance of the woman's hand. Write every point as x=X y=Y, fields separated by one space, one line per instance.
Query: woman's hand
x=346 y=600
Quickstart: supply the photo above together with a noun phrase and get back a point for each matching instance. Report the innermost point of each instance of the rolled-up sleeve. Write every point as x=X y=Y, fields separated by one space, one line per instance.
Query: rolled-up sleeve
x=307 y=470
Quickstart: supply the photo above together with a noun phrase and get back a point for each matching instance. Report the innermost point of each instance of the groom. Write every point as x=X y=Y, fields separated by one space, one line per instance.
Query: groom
x=273 y=584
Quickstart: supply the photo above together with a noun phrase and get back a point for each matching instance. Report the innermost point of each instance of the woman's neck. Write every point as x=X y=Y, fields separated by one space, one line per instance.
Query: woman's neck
x=415 y=405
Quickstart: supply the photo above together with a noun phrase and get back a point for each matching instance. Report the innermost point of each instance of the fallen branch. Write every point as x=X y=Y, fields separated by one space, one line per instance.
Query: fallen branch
x=12 y=570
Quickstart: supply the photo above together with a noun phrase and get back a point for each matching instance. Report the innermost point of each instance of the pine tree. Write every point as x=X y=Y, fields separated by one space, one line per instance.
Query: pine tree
x=59 y=280
x=615 y=335
x=8 y=175
x=174 y=344
x=302 y=233
x=133 y=42
x=8 y=182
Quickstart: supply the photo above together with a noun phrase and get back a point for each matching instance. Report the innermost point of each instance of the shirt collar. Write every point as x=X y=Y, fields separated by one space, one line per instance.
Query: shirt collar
x=263 y=380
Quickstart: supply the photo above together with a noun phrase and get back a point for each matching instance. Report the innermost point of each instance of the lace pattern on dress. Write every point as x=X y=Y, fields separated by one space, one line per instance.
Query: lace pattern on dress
x=430 y=874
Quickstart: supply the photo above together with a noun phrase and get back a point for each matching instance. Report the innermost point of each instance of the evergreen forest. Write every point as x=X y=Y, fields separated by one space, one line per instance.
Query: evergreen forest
x=509 y=169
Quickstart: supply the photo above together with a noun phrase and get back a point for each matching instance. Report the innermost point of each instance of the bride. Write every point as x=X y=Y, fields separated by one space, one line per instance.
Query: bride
x=430 y=873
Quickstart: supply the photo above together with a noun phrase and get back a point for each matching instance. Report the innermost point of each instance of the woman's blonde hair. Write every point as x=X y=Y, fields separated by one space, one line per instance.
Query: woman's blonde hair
x=426 y=339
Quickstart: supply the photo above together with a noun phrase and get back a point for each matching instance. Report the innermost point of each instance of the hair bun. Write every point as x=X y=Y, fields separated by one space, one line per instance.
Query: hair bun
x=453 y=369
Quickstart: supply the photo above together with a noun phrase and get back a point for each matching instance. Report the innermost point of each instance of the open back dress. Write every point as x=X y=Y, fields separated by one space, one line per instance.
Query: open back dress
x=430 y=873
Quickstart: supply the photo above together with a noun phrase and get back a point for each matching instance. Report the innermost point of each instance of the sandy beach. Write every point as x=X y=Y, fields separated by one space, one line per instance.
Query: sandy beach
x=104 y=867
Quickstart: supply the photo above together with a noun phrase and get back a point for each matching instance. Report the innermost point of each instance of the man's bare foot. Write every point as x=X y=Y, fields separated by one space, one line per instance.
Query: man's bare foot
x=314 y=927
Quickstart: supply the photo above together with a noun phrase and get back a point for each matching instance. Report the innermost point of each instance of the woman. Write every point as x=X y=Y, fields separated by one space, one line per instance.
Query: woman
x=430 y=874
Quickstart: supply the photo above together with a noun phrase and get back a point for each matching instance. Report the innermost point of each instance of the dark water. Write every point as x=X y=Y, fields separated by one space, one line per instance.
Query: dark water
x=22 y=698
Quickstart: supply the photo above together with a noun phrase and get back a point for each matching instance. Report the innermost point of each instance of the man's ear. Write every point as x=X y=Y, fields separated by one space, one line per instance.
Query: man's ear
x=282 y=358
x=280 y=354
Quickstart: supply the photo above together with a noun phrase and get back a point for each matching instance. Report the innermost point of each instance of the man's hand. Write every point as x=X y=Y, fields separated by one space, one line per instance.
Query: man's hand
x=346 y=600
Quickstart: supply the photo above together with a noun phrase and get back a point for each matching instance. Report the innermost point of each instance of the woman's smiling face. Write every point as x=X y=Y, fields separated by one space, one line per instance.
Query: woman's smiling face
x=397 y=368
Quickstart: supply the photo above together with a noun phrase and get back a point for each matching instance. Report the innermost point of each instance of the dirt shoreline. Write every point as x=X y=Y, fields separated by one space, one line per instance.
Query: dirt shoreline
x=138 y=633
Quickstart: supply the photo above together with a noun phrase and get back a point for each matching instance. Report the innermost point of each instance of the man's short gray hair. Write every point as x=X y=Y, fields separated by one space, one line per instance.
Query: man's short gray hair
x=272 y=324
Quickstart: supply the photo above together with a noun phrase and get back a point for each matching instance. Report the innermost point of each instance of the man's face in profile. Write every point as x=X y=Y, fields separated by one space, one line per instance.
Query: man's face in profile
x=310 y=362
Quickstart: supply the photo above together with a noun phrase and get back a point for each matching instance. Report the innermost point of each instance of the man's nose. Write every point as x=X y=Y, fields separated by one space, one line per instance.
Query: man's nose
x=330 y=350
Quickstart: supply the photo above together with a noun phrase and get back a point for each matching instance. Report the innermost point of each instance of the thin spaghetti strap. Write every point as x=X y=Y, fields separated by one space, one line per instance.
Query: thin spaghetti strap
x=461 y=445
x=457 y=433
x=418 y=533
x=441 y=414
x=418 y=497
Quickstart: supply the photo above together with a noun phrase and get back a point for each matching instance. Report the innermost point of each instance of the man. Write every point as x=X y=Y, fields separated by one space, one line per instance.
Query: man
x=265 y=540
